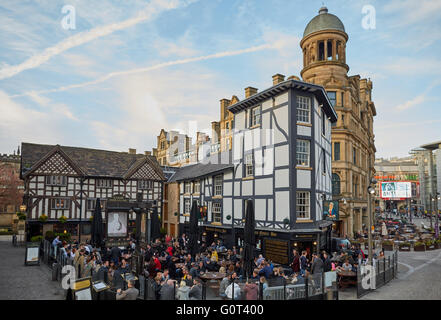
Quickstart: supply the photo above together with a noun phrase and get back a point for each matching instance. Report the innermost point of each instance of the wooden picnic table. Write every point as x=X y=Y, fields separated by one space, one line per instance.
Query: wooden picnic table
x=346 y=278
x=212 y=276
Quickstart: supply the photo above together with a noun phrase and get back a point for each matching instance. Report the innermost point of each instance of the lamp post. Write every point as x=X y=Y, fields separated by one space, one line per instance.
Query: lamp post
x=371 y=191
x=437 y=198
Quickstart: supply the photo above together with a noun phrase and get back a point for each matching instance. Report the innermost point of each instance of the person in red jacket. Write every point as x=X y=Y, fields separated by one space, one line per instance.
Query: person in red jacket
x=295 y=265
x=157 y=263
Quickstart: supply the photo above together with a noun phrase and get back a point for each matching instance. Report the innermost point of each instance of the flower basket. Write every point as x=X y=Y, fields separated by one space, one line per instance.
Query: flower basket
x=405 y=246
x=388 y=245
x=43 y=218
x=21 y=216
x=419 y=246
x=430 y=245
x=62 y=219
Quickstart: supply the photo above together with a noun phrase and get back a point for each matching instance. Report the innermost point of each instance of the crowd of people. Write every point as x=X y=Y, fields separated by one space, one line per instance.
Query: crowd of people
x=174 y=273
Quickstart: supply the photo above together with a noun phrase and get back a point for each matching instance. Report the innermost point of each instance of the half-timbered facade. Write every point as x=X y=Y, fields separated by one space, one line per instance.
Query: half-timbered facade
x=66 y=181
x=281 y=159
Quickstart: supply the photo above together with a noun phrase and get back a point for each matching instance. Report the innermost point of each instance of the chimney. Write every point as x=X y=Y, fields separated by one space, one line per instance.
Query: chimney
x=132 y=151
x=277 y=78
x=224 y=103
x=147 y=153
x=294 y=78
x=249 y=91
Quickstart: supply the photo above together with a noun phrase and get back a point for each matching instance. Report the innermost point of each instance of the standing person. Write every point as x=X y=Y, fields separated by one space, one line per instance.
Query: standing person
x=195 y=292
x=223 y=285
x=251 y=290
x=295 y=265
x=182 y=292
x=115 y=254
x=130 y=294
x=327 y=266
x=167 y=291
x=303 y=263
x=317 y=264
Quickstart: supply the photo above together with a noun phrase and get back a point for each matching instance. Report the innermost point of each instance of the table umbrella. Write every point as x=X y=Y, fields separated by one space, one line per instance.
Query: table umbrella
x=193 y=245
x=249 y=240
x=97 y=234
x=155 y=227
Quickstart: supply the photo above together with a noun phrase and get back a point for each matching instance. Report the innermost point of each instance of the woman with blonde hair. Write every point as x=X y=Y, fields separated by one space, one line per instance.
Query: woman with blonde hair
x=182 y=292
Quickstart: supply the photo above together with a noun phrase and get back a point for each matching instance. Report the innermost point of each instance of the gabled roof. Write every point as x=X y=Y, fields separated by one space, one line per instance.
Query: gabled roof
x=198 y=171
x=316 y=90
x=90 y=162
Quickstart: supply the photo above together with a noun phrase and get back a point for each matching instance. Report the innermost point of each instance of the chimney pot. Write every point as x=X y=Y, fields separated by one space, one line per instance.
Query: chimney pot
x=277 y=78
x=147 y=153
x=132 y=151
x=249 y=91
x=294 y=78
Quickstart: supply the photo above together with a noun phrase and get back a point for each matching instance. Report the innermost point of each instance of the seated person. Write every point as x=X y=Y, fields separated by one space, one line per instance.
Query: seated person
x=346 y=266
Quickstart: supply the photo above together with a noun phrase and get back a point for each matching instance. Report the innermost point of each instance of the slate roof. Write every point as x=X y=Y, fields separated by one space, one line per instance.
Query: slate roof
x=93 y=162
x=214 y=164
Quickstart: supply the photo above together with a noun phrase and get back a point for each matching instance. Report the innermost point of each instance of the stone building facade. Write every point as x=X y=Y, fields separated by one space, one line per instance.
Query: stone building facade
x=353 y=148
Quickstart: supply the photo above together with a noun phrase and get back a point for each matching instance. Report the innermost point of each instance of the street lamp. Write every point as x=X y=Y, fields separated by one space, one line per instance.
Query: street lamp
x=371 y=191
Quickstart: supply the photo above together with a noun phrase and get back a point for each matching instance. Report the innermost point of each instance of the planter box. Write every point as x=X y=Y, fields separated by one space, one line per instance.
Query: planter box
x=431 y=247
x=405 y=248
x=419 y=248
x=388 y=247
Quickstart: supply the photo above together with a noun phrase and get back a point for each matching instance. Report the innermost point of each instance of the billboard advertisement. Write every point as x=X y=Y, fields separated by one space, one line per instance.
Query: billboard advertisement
x=396 y=189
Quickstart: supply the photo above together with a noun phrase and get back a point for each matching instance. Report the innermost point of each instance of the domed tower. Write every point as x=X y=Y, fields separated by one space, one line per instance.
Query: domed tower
x=324 y=45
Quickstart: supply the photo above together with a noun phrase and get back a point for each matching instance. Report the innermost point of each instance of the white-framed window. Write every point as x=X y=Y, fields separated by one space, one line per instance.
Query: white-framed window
x=56 y=180
x=303 y=153
x=145 y=184
x=302 y=205
x=332 y=95
x=217 y=211
x=218 y=185
x=104 y=183
x=303 y=109
x=187 y=205
x=249 y=168
x=59 y=204
x=187 y=187
x=255 y=116
x=197 y=186
x=92 y=202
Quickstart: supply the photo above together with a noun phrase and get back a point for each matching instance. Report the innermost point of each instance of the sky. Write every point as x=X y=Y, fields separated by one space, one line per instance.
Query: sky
x=110 y=74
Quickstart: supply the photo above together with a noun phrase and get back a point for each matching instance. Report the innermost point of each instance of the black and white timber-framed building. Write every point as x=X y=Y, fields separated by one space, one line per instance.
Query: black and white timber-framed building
x=281 y=159
x=66 y=181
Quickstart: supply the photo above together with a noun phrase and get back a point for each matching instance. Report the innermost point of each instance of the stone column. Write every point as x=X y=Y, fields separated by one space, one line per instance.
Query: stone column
x=326 y=50
x=334 y=50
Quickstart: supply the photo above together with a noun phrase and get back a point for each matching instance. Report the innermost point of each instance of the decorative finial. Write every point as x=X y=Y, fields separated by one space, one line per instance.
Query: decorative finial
x=323 y=10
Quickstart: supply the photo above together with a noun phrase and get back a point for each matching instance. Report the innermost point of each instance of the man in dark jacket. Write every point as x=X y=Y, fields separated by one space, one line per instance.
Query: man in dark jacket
x=167 y=291
x=103 y=272
x=317 y=264
x=195 y=292
x=303 y=263
x=115 y=254
x=327 y=266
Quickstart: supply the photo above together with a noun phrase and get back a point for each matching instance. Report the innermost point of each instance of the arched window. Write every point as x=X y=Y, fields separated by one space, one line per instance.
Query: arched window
x=335 y=184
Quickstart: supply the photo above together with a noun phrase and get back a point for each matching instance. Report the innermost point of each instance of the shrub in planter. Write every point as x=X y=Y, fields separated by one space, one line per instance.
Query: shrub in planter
x=21 y=216
x=37 y=239
x=430 y=244
x=404 y=246
x=43 y=218
x=388 y=245
x=50 y=235
x=62 y=219
x=419 y=246
x=63 y=236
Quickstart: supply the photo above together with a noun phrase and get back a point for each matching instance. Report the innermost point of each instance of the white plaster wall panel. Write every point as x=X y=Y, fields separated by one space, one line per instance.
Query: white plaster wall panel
x=40 y=192
x=303 y=179
x=303 y=131
x=264 y=186
x=228 y=188
x=281 y=115
x=268 y=161
x=281 y=98
x=237 y=146
x=257 y=133
x=278 y=136
x=237 y=208
x=228 y=175
x=237 y=190
x=282 y=178
x=247 y=188
x=282 y=155
x=260 y=209
x=267 y=104
x=227 y=208
x=207 y=191
x=209 y=215
x=248 y=140
x=270 y=210
x=181 y=187
x=181 y=204
x=40 y=185
x=70 y=180
x=239 y=171
x=239 y=120
x=266 y=132
x=40 y=209
x=258 y=161
x=282 y=205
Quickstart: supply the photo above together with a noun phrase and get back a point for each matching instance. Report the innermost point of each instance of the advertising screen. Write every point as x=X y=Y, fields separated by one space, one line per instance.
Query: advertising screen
x=396 y=189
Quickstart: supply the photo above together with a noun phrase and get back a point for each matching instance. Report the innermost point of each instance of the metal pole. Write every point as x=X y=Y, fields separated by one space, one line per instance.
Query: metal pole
x=431 y=210
x=370 y=223
x=81 y=209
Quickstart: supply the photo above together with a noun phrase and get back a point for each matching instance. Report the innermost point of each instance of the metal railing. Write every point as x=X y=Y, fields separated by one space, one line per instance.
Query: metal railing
x=381 y=272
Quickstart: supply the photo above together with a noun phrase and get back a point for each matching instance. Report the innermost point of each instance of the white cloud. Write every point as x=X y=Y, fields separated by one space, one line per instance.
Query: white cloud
x=152 y=9
x=411 y=11
x=412 y=102
x=21 y=124
x=151 y=68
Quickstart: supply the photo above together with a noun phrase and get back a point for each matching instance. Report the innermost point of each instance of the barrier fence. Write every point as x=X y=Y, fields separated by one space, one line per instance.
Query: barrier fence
x=372 y=277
